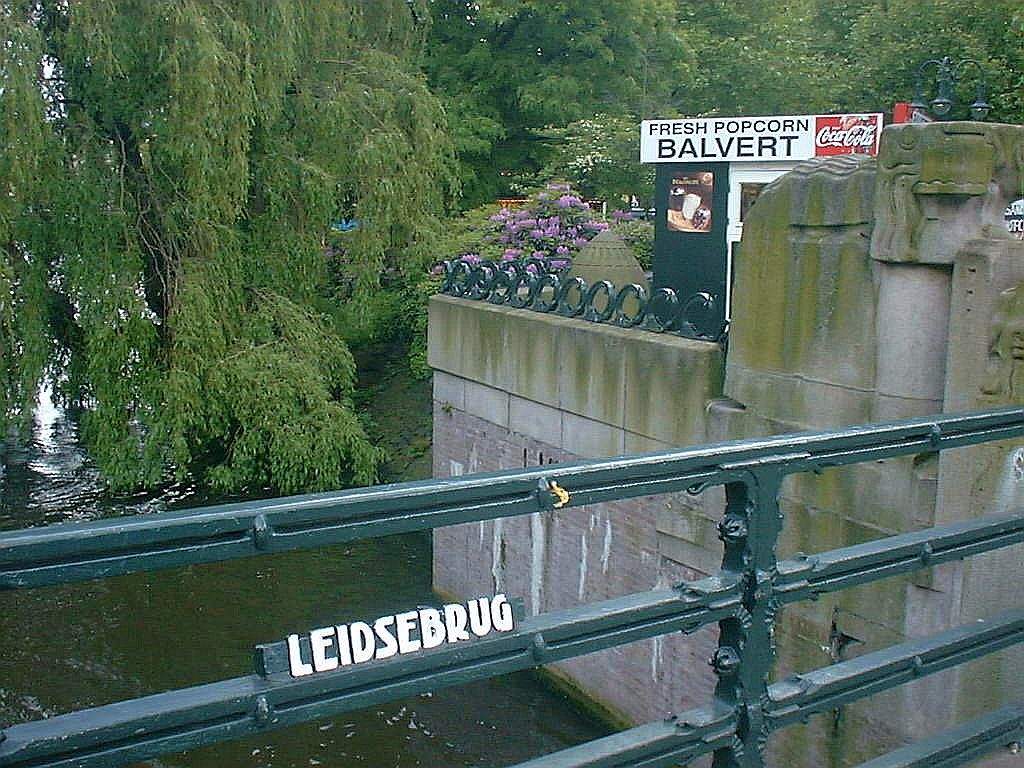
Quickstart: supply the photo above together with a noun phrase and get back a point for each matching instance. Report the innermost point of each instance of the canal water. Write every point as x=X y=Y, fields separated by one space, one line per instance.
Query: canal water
x=82 y=645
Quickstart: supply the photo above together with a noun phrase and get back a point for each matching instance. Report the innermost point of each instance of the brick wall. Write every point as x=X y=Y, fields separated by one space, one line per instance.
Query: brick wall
x=564 y=558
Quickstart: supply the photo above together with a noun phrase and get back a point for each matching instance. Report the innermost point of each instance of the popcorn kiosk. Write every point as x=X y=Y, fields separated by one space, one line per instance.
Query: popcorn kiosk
x=710 y=171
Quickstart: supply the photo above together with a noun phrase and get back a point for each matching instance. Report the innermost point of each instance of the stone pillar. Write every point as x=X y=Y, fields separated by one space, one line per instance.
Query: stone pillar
x=874 y=291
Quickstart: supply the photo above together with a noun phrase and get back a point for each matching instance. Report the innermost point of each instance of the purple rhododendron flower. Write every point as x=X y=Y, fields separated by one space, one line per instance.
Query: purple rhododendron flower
x=559 y=263
x=437 y=270
x=580 y=241
x=512 y=253
x=471 y=258
x=536 y=233
x=562 y=250
x=559 y=187
x=531 y=268
x=622 y=215
x=539 y=254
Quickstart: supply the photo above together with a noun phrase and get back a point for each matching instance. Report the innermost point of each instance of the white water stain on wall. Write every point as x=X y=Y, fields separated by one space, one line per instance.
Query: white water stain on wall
x=538 y=539
x=583 y=565
x=606 y=549
x=656 y=657
x=497 y=567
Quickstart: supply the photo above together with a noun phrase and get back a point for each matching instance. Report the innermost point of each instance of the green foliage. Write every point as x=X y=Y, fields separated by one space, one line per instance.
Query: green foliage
x=472 y=232
x=510 y=68
x=171 y=171
x=28 y=159
x=195 y=156
x=599 y=157
x=417 y=312
x=639 y=236
x=799 y=56
x=901 y=34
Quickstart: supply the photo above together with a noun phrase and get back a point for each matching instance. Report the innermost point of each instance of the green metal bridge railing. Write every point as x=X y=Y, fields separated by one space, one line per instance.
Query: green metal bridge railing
x=743 y=599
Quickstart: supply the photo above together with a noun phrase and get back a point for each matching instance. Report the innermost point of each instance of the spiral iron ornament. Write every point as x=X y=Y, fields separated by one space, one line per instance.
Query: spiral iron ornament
x=535 y=285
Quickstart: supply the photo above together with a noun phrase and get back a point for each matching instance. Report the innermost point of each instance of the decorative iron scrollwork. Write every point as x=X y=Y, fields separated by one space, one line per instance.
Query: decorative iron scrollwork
x=732 y=529
x=725 y=661
x=536 y=285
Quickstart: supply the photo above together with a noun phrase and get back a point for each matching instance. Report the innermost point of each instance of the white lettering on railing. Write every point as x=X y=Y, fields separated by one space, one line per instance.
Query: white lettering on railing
x=347 y=644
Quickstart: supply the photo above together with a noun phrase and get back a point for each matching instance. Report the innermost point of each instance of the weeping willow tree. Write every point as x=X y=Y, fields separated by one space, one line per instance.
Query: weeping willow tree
x=169 y=174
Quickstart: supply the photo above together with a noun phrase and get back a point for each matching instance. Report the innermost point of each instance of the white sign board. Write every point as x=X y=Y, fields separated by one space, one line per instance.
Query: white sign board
x=425 y=628
x=786 y=138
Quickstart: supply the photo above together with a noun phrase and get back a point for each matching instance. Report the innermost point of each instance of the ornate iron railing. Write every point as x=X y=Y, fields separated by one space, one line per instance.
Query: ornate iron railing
x=535 y=285
x=743 y=599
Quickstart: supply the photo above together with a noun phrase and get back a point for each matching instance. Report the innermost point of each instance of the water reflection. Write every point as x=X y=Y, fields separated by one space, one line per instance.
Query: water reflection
x=82 y=645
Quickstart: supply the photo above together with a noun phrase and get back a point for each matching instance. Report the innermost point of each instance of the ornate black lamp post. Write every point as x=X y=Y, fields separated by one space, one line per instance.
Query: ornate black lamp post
x=948 y=75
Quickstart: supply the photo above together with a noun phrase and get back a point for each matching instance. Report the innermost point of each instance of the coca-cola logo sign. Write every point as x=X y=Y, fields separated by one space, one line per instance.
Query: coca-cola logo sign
x=845 y=134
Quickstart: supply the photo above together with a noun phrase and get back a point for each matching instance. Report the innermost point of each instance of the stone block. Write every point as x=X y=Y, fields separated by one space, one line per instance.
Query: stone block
x=533 y=347
x=913 y=323
x=984 y=271
x=796 y=400
x=696 y=558
x=942 y=185
x=487 y=403
x=591 y=370
x=669 y=381
x=805 y=293
x=443 y=346
x=591 y=439
x=895 y=408
x=539 y=421
x=450 y=390
x=836 y=192
x=638 y=444
x=727 y=420
x=890 y=496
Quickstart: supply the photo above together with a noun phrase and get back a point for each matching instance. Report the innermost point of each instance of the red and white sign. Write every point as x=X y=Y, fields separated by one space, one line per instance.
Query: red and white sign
x=902 y=112
x=845 y=135
x=788 y=138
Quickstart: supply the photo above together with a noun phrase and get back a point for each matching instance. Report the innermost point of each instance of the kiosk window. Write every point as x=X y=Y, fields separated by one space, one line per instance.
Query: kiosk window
x=748 y=194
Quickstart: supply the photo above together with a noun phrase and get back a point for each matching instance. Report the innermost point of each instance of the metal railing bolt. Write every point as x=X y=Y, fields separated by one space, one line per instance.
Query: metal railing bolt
x=263 y=711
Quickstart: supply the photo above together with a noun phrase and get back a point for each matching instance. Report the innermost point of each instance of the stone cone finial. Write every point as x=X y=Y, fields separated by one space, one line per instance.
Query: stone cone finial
x=608 y=257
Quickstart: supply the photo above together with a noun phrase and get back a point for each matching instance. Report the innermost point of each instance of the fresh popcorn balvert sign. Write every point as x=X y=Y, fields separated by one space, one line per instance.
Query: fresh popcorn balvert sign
x=758 y=139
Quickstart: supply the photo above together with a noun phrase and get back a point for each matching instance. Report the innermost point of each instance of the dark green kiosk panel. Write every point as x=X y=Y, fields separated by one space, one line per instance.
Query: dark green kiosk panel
x=690 y=248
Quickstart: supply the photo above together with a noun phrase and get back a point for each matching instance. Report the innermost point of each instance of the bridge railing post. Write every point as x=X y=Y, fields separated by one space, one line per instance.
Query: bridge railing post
x=743 y=660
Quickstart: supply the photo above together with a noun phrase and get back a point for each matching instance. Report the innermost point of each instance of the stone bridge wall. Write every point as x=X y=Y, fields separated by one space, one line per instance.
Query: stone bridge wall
x=866 y=291
x=515 y=389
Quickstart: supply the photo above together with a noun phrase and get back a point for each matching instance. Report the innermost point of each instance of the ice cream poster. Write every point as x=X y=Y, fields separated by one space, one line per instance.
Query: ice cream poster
x=690 y=202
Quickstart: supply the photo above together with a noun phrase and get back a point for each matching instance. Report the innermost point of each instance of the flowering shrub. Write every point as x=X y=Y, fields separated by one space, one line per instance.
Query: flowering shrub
x=553 y=226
